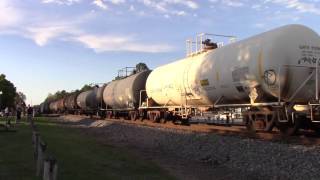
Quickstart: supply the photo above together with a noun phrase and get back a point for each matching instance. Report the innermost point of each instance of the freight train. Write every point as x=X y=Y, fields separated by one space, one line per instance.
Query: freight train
x=266 y=81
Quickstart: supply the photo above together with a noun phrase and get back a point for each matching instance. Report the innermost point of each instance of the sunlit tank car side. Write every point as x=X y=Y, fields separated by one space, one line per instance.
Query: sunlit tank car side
x=44 y=107
x=60 y=105
x=101 y=103
x=236 y=70
x=122 y=96
x=270 y=67
x=53 y=107
x=87 y=101
x=71 y=103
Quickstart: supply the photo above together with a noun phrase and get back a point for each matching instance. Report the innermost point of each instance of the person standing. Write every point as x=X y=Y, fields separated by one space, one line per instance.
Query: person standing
x=6 y=112
x=6 y=115
x=18 y=113
x=29 y=113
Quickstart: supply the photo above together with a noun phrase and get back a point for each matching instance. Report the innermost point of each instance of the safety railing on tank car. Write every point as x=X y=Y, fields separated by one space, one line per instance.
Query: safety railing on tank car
x=198 y=46
x=125 y=72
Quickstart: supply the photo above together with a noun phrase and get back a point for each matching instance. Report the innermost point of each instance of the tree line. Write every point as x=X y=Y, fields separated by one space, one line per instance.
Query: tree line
x=9 y=97
x=63 y=93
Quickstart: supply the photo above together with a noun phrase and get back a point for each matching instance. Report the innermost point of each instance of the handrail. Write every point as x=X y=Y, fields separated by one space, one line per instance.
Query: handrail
x=197 y=46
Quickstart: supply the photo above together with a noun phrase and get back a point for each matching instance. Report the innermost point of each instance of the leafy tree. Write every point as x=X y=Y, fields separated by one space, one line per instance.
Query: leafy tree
x=57 y=95
x=86 y=88
x=141 y=67
x=20 y=98
x=8 y=92
x=63 y=93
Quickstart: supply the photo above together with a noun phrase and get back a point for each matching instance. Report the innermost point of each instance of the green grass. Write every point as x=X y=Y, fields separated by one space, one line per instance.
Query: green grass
x=16 y=154
x=79 y=156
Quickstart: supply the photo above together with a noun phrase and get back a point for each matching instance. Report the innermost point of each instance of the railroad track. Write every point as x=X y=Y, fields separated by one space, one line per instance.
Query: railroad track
x=303 y=138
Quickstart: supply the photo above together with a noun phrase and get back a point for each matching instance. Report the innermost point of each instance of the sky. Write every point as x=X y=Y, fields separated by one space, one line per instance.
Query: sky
x=51 y=45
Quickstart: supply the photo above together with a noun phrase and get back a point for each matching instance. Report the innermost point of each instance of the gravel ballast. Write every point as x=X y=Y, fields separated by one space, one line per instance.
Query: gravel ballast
x=250 y=158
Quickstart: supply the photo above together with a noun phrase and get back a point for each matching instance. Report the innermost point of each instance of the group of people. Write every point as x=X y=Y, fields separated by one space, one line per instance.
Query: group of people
x=18 y=112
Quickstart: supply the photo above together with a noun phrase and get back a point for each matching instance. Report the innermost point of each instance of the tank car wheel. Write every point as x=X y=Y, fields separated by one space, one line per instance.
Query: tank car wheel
x=142 y=115
x=250 y=123
x=254 y=124
x=127 y=116
x=165 y=118
x=270 y=123
x=149 y=116
x=250 y=126
x=133 y=116
x=289 y=129
x=317 y=131
x=155 y=118
x=185 y=122
x=315 y=127
x=109 y=115
x=116 y=115
x=175 y=119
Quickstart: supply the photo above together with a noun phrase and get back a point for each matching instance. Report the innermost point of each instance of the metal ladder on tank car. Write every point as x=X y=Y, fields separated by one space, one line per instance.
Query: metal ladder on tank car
x=184 y=96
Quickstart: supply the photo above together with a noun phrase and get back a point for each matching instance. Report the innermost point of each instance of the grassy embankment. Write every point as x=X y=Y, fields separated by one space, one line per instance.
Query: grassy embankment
x=79 y=156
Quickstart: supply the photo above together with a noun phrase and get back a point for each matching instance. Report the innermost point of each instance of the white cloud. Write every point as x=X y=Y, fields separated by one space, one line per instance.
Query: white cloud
x=103 y=3
x=9 y=15
x=190 y=4
x=179 y=13
x=257 y=7
x=104 y=43
x=303 y=7
x=69 y=31
x=132 y=8
x=160 y=6
x=232 y=3
x=43 y=34
x=100 y=4
x=117 y=1
x=167 y=6
x=259 y=25
x=61 y=2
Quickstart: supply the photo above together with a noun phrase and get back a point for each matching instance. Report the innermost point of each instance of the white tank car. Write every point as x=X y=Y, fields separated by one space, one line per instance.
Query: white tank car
x=238 y=71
